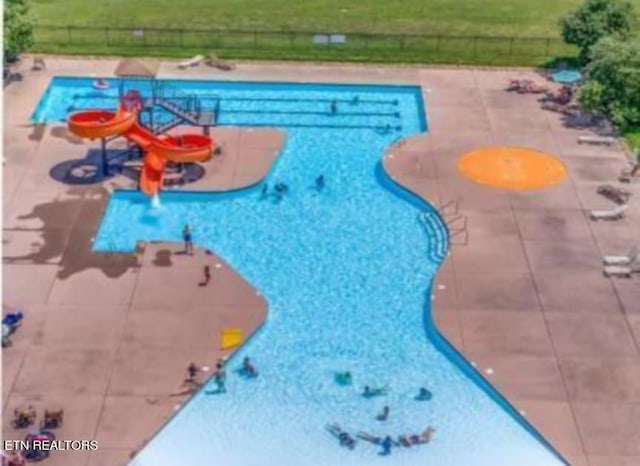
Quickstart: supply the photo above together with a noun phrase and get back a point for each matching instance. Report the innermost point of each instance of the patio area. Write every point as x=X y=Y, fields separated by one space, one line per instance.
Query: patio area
x=109 y=336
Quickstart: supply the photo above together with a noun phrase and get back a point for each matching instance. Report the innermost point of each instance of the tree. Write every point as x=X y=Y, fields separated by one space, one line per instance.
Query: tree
x=590 y=97
x=613 y=80
x=594 y=20
x=18 y=28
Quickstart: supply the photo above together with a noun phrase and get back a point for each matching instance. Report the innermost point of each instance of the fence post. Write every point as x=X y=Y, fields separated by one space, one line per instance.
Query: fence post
x=106 y=36
x=255 y=39
x=69 y=34
x=546 y=52
x=402 y=43
x=438 y=43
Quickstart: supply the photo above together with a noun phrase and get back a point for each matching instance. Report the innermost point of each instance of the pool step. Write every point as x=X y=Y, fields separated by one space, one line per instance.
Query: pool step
x=438 y=236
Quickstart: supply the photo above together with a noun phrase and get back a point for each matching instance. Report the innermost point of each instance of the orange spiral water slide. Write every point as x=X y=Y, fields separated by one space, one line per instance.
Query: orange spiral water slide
x=187 y=148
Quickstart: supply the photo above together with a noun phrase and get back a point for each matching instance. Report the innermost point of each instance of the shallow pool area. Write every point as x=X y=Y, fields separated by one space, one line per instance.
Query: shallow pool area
x=346 y=272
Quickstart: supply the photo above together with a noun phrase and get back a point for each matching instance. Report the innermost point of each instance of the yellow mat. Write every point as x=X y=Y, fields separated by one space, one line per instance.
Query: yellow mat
x=231 y=338
x=512 y=168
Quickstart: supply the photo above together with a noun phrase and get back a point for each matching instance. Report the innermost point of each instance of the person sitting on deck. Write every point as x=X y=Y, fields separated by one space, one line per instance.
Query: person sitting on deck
x=192 y=371
x=207 y=276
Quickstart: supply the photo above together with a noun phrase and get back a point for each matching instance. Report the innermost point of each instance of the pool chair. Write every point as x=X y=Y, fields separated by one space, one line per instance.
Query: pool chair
x=599 y=140
x=195 y=61
x=630 y=257
x=625 y=271
x=214 y=62
x=615 y=194
x=23 y=417
x=629 y=174
x=613 y=214
x=53 y=419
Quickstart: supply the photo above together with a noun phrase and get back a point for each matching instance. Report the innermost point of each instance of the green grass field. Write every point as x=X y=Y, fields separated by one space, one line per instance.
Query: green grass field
x=632 y=135
x=480 y=18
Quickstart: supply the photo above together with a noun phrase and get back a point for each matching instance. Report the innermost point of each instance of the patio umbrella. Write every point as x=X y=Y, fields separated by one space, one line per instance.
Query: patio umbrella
x=566 y=76
x=137 y=67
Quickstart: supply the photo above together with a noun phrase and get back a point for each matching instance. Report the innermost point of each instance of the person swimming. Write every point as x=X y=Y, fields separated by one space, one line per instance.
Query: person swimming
x=334 y=107
x=371 y=392
x=424 y=394
x=320 y=183
x=384 y=415
x=248 y=369
x=343 y=378
x=281 y=188
x=265 y=191
x=100 y=84
x=386 y=445
x=346 y=440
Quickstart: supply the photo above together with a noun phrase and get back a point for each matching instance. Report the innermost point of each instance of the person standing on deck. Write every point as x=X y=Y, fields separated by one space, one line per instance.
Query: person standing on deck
x=188 y=242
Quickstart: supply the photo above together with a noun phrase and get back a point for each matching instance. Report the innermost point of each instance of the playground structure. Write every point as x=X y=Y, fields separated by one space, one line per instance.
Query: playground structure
x=158 y=148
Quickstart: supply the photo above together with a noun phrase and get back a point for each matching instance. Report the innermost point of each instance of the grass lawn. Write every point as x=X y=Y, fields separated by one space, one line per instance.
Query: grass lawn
x=482 y=17
x=468 y=18
x=632 y=136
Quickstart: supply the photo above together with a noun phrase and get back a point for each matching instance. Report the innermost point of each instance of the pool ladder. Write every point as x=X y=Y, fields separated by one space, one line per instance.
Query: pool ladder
x=437 y=234
x=453 y=232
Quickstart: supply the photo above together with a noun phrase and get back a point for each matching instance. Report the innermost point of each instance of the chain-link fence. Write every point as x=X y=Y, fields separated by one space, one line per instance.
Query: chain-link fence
x=300 y=44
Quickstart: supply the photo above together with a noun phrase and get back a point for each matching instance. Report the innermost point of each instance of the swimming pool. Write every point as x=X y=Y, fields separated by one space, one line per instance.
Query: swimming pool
x=346 y=272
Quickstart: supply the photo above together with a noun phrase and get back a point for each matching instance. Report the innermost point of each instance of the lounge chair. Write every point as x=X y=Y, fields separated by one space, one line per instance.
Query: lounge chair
x=191 y=62
x=615 y=194
x=601 y=140
x=613 y=214
x=525 y=86
x=24 y=417
x=213 y=61
x=626 y=271
x=629 y=174
x=632 y=256
x=38 y=64
x=53 y=419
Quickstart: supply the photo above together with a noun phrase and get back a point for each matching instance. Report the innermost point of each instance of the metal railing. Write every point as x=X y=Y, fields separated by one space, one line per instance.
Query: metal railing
x=183 y=101
x=291 y=42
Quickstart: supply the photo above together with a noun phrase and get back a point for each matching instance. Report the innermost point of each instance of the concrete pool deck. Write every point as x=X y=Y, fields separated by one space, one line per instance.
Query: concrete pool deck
x=524 y=296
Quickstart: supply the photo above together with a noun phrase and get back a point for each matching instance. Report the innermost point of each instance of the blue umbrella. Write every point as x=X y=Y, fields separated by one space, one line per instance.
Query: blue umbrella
x=566 y=76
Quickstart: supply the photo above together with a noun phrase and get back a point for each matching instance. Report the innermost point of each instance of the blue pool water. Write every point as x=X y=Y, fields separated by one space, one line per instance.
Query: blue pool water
x=346 y=273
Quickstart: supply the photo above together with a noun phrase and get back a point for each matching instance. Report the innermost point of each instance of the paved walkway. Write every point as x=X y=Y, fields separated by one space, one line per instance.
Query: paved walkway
x=524 y=297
